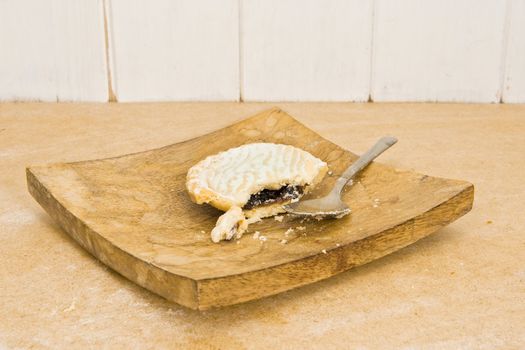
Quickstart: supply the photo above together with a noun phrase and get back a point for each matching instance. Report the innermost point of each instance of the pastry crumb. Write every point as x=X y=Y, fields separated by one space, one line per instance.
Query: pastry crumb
x=278 y=218
x=284 y=241
x=262 y=238
x=253 y=220
x=256 y=235
x=330 y=172
x=324 y=251
x=290 y=230
x=238 y=242
x=300 y=228
x=202 y=231
x=231 y=224
x=337 y=245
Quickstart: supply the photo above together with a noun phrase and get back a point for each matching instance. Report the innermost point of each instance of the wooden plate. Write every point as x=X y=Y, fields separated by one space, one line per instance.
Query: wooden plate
x=133 y=213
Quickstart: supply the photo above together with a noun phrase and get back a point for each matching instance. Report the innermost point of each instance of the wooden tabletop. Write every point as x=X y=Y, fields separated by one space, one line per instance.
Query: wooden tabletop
x=462 y=287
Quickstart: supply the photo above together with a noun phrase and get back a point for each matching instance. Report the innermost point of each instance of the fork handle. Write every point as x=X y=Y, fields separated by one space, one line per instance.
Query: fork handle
x=382 y=145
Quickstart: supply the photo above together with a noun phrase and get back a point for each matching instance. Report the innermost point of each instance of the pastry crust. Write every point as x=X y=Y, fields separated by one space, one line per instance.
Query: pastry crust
x=231 y=224
x=229 y=178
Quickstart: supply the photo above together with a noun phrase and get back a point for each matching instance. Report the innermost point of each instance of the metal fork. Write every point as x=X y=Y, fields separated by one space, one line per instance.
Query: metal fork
x=332 y=205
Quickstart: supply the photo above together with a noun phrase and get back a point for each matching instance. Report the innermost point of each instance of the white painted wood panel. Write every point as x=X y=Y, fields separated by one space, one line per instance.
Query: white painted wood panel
x=52 y=50
x=438 y=50
x=514 y=83
x=305 y=50
x=174 y=49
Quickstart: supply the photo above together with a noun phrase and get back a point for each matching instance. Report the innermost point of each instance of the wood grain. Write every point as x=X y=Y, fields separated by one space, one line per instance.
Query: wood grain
x=291 y=50
x=305 y=50
x=514 y=82
x=461 y=287
x=52 y=51
x=133 y=214
x=174 y=50
x=438 y=50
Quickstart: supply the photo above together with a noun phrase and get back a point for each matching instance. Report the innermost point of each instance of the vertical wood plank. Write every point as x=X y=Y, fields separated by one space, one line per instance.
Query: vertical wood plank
x=514 y=83
x=305 y=50
x=52 y=50
x=174 y=49
x=438 y=50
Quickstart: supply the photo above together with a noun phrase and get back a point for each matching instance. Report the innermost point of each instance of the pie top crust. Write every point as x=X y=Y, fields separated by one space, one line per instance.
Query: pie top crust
x=229 y=178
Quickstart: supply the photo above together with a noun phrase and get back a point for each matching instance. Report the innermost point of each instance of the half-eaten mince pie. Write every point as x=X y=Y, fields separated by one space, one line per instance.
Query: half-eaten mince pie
x=257 y=178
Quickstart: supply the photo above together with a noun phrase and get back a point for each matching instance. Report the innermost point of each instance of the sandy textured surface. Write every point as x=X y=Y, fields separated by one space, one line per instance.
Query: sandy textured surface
x=463 y=287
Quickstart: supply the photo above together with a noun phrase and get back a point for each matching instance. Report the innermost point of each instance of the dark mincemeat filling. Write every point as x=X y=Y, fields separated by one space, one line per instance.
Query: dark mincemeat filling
x=271 y=196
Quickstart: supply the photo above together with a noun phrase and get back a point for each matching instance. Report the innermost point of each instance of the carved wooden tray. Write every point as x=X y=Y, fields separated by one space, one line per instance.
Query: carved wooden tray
x=133 y=213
